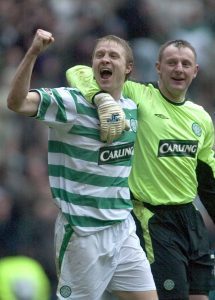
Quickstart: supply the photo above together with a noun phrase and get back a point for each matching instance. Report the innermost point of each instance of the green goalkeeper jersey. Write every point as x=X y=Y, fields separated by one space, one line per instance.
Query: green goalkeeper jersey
x=171 y=139
x=173 y=157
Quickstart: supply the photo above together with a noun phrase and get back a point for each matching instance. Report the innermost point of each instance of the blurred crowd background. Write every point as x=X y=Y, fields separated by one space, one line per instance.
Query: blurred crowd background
x=27 y=214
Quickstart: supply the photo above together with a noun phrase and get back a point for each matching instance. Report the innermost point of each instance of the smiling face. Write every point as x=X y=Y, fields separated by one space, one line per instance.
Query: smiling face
x=176 y=69
x=111 y=66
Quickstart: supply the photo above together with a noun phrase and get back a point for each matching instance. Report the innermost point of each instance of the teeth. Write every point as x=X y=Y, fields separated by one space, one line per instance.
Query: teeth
x=106 y=69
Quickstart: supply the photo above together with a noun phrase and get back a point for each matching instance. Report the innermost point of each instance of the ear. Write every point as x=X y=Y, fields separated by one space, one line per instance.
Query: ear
x=157 y=66
x=196 y=71
x=129 y=68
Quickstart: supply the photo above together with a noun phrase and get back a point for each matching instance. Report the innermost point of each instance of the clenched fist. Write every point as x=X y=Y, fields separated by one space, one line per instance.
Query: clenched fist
x=41 y=41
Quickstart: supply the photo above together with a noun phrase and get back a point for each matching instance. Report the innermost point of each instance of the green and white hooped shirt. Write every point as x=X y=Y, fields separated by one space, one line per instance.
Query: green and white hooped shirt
x=88 y=178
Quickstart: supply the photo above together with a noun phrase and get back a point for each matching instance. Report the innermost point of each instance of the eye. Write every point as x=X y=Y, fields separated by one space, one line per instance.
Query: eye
x=171 y=63
x=98 y=55
x=114 y=55
x=186 y=64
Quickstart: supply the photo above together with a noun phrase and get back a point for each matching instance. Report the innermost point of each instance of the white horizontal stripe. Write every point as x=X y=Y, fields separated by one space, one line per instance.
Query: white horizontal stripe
x=88 y=167
x=101 y=214
x=87 y=121
x=75 y=140
x=89 y=190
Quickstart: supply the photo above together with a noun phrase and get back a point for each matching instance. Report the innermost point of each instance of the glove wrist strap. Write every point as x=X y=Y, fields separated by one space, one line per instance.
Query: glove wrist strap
x=93 y=99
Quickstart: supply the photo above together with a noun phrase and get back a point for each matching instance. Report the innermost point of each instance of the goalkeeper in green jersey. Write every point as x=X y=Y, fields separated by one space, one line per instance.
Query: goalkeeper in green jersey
x=98 y=253
x=173 y=162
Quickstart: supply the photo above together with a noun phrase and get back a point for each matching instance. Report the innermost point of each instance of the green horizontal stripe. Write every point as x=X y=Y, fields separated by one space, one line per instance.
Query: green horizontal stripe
x=127 y=136
x=83 y=177
x=88 y=132
x=96 y=202
x=73 y=151
x=83 y=221
x=95 y=133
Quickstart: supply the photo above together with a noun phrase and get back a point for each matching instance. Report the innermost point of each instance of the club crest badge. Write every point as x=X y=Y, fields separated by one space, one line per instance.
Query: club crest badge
x=197 y=129
x=65 y=291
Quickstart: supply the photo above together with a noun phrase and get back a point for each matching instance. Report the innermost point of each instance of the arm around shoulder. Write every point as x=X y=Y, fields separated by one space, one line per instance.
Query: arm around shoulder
x=81 y=77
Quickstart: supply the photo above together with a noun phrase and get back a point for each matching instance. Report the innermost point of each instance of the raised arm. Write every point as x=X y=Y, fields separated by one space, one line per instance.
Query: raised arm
x=20 y=99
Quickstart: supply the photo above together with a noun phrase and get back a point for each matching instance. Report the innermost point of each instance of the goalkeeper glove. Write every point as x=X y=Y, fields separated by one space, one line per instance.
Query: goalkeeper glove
x=111 y=116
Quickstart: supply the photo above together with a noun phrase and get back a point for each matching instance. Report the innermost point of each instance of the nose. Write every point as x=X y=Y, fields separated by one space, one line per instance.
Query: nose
x=179 y=67
x=106 y=58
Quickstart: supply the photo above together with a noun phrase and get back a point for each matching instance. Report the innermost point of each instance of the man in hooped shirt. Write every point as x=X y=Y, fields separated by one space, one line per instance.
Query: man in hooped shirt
x=98 y=253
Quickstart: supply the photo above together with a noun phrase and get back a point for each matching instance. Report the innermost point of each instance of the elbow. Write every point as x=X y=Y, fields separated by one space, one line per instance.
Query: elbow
x=12 y=104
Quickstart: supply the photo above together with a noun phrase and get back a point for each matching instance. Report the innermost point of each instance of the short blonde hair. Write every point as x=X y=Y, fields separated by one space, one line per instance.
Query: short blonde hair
x=125 y=45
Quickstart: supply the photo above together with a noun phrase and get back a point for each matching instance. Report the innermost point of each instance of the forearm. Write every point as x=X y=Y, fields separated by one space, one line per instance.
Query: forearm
x=18 y=96
x=81 y=77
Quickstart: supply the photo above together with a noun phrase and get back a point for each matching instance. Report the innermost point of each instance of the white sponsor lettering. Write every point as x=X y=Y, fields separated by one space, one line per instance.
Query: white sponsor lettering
x=116 y=154
x=179 y=148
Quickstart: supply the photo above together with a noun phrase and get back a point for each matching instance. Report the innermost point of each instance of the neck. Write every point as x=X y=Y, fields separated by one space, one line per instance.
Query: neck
x=116 y=95
x=173 y=96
